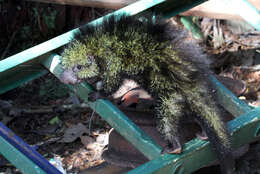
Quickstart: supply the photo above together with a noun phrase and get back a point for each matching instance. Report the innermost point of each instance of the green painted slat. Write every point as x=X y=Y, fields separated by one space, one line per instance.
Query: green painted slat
x=20 y=74
x=174 y=7
x=36 y=51
x=127 y=128
x=18 y=159
x=101 y=104
x=197 y=153
x=246 y=10
x=111 y=114
x=229 y=101
x=192 y=27
x=7 y=84
x=65 y=38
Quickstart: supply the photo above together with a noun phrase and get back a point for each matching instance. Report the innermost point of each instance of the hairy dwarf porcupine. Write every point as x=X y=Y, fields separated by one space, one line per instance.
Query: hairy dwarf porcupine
x=150 y=52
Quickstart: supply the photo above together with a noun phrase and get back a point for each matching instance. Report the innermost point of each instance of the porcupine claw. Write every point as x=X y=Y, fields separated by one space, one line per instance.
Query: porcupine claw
x=173 y=148
x=202 y=135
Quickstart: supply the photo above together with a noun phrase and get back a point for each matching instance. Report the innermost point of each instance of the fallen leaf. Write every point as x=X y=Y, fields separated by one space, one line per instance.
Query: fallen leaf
x=73 y=132
x=87 y=140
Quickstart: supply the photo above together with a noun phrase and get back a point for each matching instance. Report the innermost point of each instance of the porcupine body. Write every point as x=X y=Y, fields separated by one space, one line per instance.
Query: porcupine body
x=152 y=55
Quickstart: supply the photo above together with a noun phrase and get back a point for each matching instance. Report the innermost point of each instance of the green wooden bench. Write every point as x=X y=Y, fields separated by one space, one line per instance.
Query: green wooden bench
x=38 y=60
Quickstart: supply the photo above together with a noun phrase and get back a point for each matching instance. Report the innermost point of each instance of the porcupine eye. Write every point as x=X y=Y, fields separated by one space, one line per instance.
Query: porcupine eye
x=79 y=67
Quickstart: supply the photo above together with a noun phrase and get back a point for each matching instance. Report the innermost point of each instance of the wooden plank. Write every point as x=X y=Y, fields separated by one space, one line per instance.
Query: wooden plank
x=246 y=10
x=20 y=74
x=25 y=157
x=23 y=163
x=229 y=101
x=217 y=9
x=112 y=4
x=14 y=80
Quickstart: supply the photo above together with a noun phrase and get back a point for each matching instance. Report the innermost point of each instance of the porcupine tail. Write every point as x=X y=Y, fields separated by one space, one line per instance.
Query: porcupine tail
x=208 y=115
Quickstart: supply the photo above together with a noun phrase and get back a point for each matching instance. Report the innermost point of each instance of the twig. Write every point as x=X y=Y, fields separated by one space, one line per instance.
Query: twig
x=49 y=109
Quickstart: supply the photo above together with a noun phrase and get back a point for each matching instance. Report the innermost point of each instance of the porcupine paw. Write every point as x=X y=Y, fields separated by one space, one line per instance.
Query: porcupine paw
x=202 y=135
x=174 y=147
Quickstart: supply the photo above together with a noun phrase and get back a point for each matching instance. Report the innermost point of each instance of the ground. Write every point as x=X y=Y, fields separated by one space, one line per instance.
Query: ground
x=43 y=112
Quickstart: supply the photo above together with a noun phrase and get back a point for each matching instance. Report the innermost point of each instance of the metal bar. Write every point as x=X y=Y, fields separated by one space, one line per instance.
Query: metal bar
x=65 y=38
x=249 y=12
x=229 y=101
x=26 y=150
x=111 y=114
x=246 y=126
